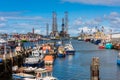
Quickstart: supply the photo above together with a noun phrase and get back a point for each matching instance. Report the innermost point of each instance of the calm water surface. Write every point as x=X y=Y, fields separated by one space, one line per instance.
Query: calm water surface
x=77 y=67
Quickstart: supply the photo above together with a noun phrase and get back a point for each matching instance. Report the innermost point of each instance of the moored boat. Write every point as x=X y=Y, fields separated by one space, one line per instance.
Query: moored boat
x=34 y=60
x=101 y=46
x=21 y=76
x=30 y=69
x=61 y=51
x=69 y=49
x=48 y=60
x=80 y=39
x=42 y=74
x=118 y=59
x=108 y=46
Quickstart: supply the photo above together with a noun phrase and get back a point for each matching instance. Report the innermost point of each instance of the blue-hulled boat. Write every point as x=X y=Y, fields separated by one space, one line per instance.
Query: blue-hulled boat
x=108 y=46
x=1 y=60
x=97 y=41
x=61 y=55
x=69 y=49
x=118 y=59
x=61 y=51
x=21 y=76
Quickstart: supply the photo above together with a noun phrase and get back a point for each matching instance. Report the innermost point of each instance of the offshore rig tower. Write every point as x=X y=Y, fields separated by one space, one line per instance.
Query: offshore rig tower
x=64 y=31
x=54 y=33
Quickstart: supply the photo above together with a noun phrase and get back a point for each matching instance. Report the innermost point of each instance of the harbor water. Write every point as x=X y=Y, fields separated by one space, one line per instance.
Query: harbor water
x=77 y=67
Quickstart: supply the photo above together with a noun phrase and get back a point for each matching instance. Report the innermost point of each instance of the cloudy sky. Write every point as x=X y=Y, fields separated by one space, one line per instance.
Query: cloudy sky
x=20 y=16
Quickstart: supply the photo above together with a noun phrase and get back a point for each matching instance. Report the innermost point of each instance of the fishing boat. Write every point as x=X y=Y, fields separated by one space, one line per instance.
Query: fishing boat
x=34 y=60
x=69 y=49
x=80 y=39
x=118 y=59
x=48 y=60
x=21 y=76
x=12 y=43
x=101 y=46
x=61 y=51
x=108 y=45
x=97 y=41
x=42 y=74
x=30 y=69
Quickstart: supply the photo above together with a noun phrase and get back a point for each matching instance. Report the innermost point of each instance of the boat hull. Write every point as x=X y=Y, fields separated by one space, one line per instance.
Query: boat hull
x=60 y=55
x=118 y=61
x=70 y=52
x=101 y=47
x=108 y=46
x=21 y=76
x=39 y=64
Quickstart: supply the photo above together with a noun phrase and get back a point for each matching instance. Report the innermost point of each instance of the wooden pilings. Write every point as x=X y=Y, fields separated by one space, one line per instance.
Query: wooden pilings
x=15 y=59
x=94 y=68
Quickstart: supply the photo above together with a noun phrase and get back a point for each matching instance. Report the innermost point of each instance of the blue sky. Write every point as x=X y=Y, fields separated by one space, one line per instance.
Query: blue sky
x=22 y=15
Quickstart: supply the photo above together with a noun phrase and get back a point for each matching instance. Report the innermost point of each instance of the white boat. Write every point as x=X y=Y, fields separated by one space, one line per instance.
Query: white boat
x=14 y=68
x=2 y=41
x=21 y=76
x=42 y=74
x=35 y=59
x=61 y=51
x=30 y=69
x=69 y=48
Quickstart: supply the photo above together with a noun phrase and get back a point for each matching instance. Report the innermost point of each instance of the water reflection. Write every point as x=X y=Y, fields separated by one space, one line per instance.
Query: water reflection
x=70 y=57
x=77 y=67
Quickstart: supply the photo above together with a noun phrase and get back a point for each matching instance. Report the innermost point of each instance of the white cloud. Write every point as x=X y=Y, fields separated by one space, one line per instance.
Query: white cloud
x=92 y=23
x=25 y=17
x=2 y=24
x=11 y=13
x=78 y=22
x=2 y=19
x=88 y=22
x=23 y=31
x=37 y=31
x=14 y=31
x=73 y=32
x=87 y=29
x=114 y=14
x=96 y=2
x=3 y=31
x=114 y=20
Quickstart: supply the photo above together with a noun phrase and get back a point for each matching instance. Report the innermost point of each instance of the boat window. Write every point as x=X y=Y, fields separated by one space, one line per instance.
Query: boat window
x=49 y=74
x=44 y=75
